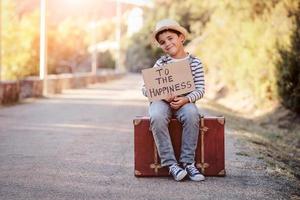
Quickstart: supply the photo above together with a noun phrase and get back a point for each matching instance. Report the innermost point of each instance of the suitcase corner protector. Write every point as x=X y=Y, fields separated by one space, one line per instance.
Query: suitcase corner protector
x=222 y=173
x=137 y=173
x=136 y=121
x=221 y=120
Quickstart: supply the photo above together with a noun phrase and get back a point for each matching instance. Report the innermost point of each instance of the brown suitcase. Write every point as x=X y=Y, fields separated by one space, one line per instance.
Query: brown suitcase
x=210 y=158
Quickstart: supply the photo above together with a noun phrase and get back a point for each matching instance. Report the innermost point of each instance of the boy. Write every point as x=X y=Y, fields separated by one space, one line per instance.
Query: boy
x=170 y=36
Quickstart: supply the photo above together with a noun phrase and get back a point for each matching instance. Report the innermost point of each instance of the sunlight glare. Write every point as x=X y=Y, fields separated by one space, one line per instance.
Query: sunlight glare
x=73 y=3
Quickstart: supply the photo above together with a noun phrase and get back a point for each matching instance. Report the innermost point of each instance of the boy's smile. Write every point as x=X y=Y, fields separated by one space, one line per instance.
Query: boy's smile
x=172 y=44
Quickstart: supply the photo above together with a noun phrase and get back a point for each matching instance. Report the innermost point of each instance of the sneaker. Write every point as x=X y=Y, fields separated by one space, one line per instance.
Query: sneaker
x=194 y=173
x=177 y=172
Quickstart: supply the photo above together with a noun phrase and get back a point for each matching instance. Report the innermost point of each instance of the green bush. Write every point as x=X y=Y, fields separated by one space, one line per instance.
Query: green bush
x=239 y=47
x=288 y=69
x=105 y=60
x=140 y=54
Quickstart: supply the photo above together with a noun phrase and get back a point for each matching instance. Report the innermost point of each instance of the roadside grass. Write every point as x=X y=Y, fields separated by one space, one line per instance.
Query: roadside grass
x=275 y=135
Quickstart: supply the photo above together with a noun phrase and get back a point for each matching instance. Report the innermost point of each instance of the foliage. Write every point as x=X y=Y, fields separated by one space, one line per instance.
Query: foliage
x=288 y=69
x=140 y=54
x=67 y=43
x=105 y=60
x=240 y=46
x=67 y=46
x=20 y=43
x=142 y=51
x=236 y=40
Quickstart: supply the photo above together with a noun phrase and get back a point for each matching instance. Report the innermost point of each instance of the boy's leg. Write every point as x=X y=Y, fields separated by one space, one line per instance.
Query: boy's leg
x=160 y=114
x=189 y=117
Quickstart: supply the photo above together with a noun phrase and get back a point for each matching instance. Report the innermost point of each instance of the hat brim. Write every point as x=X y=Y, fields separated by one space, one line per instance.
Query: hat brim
x=180 y=29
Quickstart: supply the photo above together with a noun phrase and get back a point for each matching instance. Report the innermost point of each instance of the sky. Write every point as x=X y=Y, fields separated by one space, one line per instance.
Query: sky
x=60 y=9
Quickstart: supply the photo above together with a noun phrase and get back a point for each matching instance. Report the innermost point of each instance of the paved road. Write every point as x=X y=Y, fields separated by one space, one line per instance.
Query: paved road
x=79 y=145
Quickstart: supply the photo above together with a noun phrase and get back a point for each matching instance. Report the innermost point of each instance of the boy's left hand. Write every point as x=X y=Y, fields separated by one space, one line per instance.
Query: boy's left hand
x=178 y=102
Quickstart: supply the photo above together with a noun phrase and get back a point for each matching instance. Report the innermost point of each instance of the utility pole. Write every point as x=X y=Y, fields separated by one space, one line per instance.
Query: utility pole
x=43 y=46
x=118 y=66
x=94 y=49
x=0 y=38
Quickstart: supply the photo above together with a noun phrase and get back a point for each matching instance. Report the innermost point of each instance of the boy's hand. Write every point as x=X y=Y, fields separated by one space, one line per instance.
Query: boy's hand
x=170 y=98
x=178 y=102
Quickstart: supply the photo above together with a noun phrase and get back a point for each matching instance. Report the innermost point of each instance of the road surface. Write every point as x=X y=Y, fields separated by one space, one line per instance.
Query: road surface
x=79 y=145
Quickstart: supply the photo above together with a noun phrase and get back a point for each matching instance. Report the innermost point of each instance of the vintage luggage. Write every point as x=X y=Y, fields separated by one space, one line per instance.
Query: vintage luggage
x=210 y=158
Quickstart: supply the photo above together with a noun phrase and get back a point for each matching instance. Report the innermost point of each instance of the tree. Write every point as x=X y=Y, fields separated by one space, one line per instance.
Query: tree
x=20 y=42
x=288 y=69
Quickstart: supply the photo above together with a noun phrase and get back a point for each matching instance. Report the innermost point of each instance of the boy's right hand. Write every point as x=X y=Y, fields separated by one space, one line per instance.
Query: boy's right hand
x=169 y=98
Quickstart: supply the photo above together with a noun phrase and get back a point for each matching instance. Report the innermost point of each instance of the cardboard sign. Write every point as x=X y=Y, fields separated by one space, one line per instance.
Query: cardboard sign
x=174 y=78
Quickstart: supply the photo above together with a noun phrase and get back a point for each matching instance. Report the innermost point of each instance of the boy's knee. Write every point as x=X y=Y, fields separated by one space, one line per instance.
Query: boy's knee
x=158 y=105
x=159 y=112
x=157 y=117
x=191 y=113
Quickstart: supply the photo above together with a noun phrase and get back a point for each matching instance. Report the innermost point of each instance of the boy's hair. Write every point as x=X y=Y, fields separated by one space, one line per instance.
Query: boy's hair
x=166 y=30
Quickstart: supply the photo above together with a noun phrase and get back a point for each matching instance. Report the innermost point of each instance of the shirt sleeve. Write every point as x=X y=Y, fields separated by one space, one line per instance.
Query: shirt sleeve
x=144 y=90
x=198 y=76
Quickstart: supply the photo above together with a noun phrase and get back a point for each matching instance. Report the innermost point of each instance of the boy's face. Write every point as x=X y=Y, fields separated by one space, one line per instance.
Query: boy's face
x=171 y=43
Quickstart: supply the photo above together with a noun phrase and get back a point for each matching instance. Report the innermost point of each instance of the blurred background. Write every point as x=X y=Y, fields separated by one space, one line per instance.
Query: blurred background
x=250 y=49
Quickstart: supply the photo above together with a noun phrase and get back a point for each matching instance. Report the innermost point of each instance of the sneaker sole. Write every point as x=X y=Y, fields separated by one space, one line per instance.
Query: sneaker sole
x=181 y=176
x=195 y=179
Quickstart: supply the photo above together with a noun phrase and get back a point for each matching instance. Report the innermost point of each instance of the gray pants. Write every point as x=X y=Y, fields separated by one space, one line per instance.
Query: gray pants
x=160 y=115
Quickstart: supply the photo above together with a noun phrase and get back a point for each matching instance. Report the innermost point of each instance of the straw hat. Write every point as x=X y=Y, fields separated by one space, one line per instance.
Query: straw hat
x=166 y=24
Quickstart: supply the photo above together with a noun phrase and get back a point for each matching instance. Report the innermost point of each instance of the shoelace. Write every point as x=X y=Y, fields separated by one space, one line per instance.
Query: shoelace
x=174 y=169
x=192 y=169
